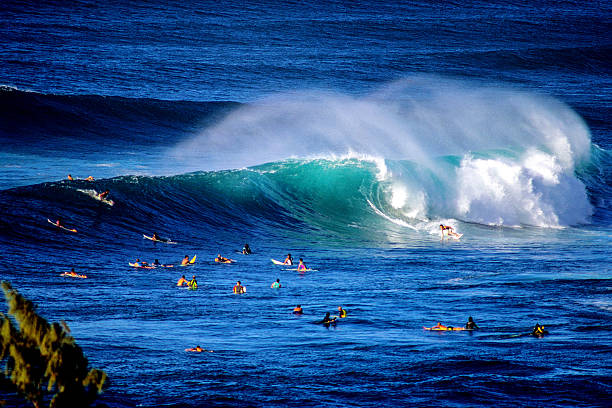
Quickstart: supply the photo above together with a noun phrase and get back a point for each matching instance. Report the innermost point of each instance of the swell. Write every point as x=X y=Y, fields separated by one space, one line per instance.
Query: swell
x=267 y=200
x=28 y=119
x=414 y=153
x=352 y=199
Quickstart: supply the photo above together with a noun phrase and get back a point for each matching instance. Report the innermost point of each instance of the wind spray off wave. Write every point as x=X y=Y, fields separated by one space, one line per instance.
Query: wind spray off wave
x=450 y=149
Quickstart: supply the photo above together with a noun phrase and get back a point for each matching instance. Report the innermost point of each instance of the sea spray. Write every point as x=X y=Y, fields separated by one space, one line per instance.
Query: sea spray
x=476 y=153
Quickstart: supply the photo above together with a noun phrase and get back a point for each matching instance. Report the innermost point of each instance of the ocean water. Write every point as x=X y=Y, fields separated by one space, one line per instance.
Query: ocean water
x=344 y=134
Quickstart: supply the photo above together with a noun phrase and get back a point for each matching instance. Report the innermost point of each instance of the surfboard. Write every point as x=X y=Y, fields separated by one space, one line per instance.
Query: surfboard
x=448 y=328
x=167 y=241
x=69 y=275
x=301 y=270
x=94 y=194
x=225 y=262
x=190 y=262
x=275 y=262
x=332 y=321
x=61 y=226
x=132 y=264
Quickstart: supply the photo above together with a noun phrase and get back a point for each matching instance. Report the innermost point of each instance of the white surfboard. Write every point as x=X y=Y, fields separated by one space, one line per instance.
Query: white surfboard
x=94 y=194
x=168 y=241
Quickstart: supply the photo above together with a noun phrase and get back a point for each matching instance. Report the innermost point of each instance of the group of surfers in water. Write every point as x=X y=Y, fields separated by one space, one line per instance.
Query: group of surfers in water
x=289 y=261
x=328 y=319
x=192 y=284
x=538 y=330
x=90 y=178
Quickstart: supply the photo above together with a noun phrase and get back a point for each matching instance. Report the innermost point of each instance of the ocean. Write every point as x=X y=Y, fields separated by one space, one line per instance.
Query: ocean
x=343 y=133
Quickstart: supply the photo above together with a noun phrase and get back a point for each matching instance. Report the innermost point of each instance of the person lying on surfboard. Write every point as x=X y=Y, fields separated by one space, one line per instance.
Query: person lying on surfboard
x=103 y=194
x=139 y=264
x=449 y=230
x=199 y=349
x=223 y=259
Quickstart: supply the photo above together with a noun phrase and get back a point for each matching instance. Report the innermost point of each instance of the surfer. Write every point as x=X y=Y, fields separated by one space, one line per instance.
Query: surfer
x=138 y=263
x=70 y=177
x=156 y=237
x=276 y=285
x=58 y=223
x=449 y=231
x=327 y=319
x=193 y=284
x=471 y=324
x=439 y=327
x=198 y=349
x=185 y=261
x=246 y=250
x=223 y=259
x=90 y=178
x=156 y=263
x=301 y=265
x=288 y=260
x=238 y=288
x=341 y=312
x=538 y=331
x=103 y=195
x=298 y=310
x=182 y=281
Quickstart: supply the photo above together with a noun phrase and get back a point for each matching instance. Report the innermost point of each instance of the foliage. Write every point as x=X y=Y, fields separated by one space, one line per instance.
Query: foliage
x=40 y=354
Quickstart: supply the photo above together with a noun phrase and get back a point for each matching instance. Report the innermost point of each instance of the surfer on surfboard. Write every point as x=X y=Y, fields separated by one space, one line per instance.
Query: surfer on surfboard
x=449 y=231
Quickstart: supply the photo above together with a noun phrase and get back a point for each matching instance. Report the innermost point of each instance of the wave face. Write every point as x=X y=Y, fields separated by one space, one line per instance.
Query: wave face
x=414 y=153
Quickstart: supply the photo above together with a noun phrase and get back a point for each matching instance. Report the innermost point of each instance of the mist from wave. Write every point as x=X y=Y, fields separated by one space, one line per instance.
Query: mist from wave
x=452 y=149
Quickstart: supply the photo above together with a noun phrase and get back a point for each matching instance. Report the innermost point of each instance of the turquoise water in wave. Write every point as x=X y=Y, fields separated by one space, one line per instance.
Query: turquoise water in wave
x=343 y=134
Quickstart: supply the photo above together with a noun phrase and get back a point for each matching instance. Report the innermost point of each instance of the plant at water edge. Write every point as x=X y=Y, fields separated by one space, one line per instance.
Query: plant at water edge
x=40 y=354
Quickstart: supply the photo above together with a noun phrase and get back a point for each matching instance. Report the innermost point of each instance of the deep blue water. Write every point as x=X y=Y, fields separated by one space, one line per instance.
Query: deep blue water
x=344 y=133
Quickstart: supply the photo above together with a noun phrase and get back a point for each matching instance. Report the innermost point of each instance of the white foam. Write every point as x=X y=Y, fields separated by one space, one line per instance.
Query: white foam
x=516 y=151
x=533 y=191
